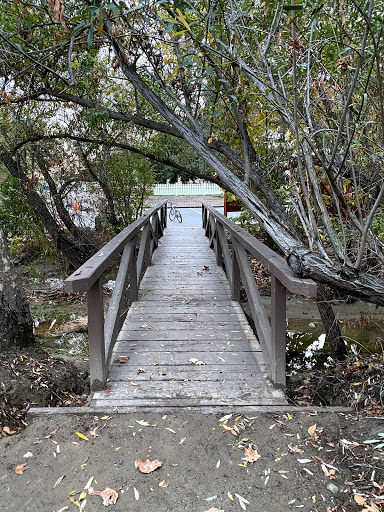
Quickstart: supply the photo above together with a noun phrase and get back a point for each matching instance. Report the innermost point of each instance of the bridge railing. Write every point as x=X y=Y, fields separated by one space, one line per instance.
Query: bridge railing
x=271 y=335
x=103 y=330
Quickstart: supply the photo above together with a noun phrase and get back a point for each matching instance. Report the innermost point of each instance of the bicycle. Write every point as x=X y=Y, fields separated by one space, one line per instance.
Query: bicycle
x=174 y=213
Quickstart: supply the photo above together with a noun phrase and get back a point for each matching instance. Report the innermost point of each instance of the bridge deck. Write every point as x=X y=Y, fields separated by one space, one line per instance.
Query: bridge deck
x=185 y=343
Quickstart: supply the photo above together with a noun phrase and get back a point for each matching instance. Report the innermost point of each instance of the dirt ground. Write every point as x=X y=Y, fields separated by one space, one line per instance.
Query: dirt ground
x=305 y=460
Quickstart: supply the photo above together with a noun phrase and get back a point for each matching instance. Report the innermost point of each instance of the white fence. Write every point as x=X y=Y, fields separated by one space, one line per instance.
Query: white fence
x=187 y=189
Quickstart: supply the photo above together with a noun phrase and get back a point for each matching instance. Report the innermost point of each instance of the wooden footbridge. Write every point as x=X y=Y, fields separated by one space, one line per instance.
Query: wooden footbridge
x=175 y=334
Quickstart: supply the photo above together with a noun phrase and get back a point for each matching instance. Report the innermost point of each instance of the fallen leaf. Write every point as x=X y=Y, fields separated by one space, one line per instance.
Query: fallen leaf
x=230 y=496
x=8 y=431
x=242 y=501
x=82 y=436
x=193 y=360
x=107 y=389
x=295 y=449
x=312 y=429
x=19 y=470
x=141 y=370
x=109 y=496
x=122 y=360
x=304 y=461
x=142 y=423
x=360 y=500
x=94 y=433
x=163 y=484
x=147 y=466
x=137 y=495
x=250 y=455
x=58 y=481
x=88 y=484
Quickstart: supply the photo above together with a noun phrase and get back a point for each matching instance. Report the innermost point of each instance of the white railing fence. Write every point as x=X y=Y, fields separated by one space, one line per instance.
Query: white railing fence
x=187 y=189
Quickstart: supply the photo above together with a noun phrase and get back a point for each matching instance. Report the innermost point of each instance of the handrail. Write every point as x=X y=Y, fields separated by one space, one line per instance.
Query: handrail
x=102 y=333
x=272 y=336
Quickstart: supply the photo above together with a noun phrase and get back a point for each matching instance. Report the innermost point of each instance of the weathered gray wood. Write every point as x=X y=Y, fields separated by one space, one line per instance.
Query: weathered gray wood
x=93 y=269
x=236 y=282
x=195 y=333
x=190 y=392
x=278 y=333
x=113 y=320
x=185 y=313
x=143 y=256
x=252 y=410
x=226 y=256
x=96 y=336
x=126 y=372
x=132 y=269
x=267 y=257
x=254 y=300
x=170 y=358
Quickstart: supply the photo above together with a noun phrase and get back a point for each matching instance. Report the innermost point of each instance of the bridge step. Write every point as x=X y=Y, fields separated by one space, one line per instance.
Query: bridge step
x=185 y=343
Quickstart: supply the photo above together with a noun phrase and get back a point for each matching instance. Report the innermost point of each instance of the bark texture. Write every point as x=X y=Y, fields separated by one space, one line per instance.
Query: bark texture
x=16 y=326
x=331 y=325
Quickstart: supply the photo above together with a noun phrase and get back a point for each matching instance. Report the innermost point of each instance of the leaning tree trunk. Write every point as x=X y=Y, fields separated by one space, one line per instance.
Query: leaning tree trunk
x=16 y=326
x=74 y=251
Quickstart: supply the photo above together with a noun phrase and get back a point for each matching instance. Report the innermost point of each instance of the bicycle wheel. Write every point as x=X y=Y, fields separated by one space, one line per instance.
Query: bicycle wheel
x=178 y=216
x=172 y=214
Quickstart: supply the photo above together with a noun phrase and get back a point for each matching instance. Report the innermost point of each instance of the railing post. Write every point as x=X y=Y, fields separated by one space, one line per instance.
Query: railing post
x=235 y=283
x=219 y=249
x=278 y=333
x=132 y=269
x=96 y=336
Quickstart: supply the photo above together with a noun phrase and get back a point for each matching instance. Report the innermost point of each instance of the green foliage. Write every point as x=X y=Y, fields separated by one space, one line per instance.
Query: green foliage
x=130 y=179
x=20 y=223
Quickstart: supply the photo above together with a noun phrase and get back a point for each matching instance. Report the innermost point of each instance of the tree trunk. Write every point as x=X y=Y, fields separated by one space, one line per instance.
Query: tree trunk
x=16 y=326
x=331 y=325
x=74 y=252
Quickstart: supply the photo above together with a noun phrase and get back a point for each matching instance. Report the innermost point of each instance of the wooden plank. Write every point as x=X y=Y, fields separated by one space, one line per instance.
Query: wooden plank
x=267 y=257
x=93 y=269
x=170 y=358
x=254 y=300
x=191 y=392
x=222 y=335
x=122 y=372
x=182 y=322
x=113 y=323
x=192 y=345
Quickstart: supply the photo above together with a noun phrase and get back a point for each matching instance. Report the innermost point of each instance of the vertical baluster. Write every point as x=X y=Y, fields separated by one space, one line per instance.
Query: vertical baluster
x=132 y=269
x=219 y=249
x=235 y=283
x=278 y=333
x=96 y=336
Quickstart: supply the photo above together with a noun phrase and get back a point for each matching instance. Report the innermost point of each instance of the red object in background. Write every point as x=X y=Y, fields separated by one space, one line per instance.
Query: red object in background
x=76 y=206
x=231 y=206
